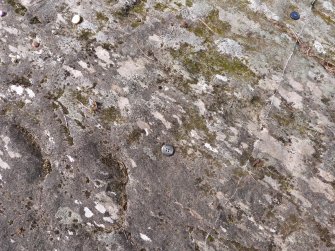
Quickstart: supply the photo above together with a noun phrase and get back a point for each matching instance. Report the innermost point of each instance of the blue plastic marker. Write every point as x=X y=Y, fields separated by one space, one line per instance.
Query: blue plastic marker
x=295 y=15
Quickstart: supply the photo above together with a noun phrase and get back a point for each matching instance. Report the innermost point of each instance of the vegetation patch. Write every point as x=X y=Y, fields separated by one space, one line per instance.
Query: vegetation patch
x=211 y=25
x=210 y=62
x=18 y=7
x=110 y=114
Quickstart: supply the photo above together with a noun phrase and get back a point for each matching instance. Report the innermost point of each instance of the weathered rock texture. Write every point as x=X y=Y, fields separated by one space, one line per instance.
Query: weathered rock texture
x=244 y=93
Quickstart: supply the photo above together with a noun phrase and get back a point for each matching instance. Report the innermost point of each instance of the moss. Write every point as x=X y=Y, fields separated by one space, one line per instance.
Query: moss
x=34 y=20
x=108 y=47
x=134 y=14
x=111 y=114
x=210 y=24
x=325 y=100
x=189 y=3
x=22 y=81
x=64 y=109
x=67 y=133
x=79 y=124
x=56 y=94
x=85 y=34
x=20 y=104
x=139 y=7
x=81 y=97
x=160 y=6
x=195 y=121
x=101 y=17
x=183 y=84
x=210 y=62
x=55 y=106
x=30 y=139
x=18 y=7
x=210 y=238
x=239 y=172
x=207 y=188
x=324 y=234
x=290 y=225
x=325 y=17
x=46 y=166
x=285 y=182
x=241 y=247
x=135 y=136
x=136 y=23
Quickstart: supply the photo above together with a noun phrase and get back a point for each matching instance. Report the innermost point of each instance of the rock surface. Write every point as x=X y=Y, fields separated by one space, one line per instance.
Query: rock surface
x=244 y=93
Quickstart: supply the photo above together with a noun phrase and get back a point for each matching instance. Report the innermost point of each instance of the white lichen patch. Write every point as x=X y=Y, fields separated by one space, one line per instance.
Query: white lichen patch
x=124 y=106
x=30 y=93
x=100 y=208
x=108 y=204
x=131 y=68
x=88 y=212
x=296 y=85
x=12 y=154
x=99 y=225
x=257 y=6
x=71 y=159
x=319 y=48
x=4 y=165
x=327 y=5
x=201 y=106
x=145 y=237
x=209 y=147
x=103 y=55
x=75 y=73
x=199 y=9
x=292 y=156
x=108 y=219
x=86 y=67
x=292 y=97
x=221 y=78
x=317 y=186
x=202 y=87
x=18 y=89
x=229 y=47
x=160 y=117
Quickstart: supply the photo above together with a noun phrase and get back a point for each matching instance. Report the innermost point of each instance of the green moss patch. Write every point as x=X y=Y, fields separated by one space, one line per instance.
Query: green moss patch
x=209 y=26
x=210 y=62
x=110 y=114
x=18 y=7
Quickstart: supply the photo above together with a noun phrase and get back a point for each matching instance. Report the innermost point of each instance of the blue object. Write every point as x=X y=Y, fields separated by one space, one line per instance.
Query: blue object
x=295 y=15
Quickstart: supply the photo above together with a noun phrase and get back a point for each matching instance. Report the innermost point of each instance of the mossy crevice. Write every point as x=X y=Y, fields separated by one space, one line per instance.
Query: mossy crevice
x=290 y=225
x=135 y=136
x=160 y=6
x=110 y=115
x=134 y=14
x=210 y=62
x=209 y=26
x=101 y=17
x=18 y=7
x=193 y=121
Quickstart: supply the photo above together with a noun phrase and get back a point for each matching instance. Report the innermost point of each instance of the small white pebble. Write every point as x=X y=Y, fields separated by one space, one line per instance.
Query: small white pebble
x=76 y=19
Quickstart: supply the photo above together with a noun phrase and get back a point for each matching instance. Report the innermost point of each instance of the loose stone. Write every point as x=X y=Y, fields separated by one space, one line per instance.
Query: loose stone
x=76 y=19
